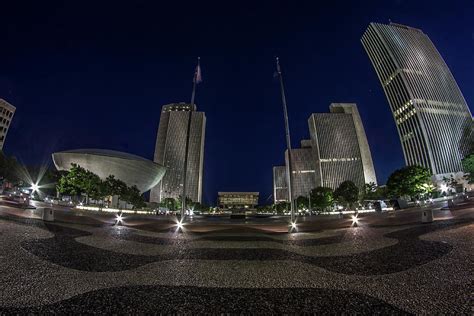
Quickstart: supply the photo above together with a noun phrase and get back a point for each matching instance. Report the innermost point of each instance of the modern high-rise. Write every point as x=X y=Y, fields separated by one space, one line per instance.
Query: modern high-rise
x=280 y=184
x=6 y=115
x=302 y=168
x=170 y=152
x=339 y=147
x=433 y=120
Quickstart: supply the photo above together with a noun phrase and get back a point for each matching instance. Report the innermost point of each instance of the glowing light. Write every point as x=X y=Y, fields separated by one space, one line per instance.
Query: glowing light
x=34 y=187
x=443 y=187
x=293 y=225
x=355 y=220
x=119 y=218
x=180 y=225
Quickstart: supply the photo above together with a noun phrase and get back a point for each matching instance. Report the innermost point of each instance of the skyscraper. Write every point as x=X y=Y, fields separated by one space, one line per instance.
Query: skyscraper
x=170 y=148
x=340 y=148
x=303 y=174
x=280 y=184
x=433 y=120
x=6 y=115
x=303 y=170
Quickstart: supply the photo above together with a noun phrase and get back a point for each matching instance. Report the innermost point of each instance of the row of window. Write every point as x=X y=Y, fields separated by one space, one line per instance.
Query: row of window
x=7 y=113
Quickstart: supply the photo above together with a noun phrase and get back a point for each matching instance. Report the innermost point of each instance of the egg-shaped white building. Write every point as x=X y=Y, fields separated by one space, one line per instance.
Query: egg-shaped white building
x=131 y=169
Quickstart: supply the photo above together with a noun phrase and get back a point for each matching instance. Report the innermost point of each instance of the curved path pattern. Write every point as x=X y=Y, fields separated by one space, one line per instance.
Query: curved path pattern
x=209 y=279
x=410 y=251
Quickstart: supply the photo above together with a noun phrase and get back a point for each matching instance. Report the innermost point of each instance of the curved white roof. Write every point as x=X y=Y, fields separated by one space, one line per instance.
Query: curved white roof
x=105 y=152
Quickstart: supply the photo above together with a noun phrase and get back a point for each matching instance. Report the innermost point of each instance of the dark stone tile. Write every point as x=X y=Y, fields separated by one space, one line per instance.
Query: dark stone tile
x=198 y=300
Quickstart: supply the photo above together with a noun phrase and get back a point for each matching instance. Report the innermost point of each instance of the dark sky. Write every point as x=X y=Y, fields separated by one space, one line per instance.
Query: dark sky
x=95 y=75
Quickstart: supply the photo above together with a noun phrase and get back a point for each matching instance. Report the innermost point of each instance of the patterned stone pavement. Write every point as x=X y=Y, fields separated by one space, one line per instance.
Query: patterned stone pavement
x=68 y=268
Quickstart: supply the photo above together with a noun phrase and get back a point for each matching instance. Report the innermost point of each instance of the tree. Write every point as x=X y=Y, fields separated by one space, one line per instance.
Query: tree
x=347 y=193
x=321 y=198
x=282 y=207
x=368 y=192
x=201 y=207
x=411 y=181
x=302 y=202
x=468 y=166
x=189 y=202
x=9 y=168
x=170 y=203
x=72 y=183
x=133 y=196
x=115 y=186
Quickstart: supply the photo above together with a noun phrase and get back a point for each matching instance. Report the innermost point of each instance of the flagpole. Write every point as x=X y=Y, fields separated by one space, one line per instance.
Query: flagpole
x=186 y=147
x=288 y=142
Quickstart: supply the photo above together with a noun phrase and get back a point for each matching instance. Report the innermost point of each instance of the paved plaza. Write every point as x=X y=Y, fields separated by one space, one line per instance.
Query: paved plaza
x=386 y=264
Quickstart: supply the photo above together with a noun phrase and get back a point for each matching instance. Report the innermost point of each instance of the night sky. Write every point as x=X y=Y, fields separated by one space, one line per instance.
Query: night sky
x=95 y=75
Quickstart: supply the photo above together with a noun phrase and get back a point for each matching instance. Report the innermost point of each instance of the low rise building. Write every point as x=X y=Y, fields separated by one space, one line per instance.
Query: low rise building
x=238 y=200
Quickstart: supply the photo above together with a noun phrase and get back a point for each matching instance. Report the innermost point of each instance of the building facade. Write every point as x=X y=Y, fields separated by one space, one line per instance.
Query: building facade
x=131 y=169
x=280 y=186
x=433 y=120
x=6 y=116
x=340 y=148
x=337 y=151
x=302 y=168
x=170 y=151
x=237 y=200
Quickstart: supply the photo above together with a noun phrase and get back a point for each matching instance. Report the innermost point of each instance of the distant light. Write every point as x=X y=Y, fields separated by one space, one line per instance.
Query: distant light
x=293 y=225
x=180 y=225
x=443 y=187
x=119 y=218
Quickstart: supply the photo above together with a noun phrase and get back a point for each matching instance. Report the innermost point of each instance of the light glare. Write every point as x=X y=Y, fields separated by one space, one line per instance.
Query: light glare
x=34 y=187
x=355 y=219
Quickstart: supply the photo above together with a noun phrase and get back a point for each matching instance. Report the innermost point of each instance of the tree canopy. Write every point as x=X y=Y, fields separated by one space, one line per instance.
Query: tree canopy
x=302 y=202
x=79 y=181
x=9 y=168
x=468 y=165
x=411 y=181
x=322 y=198
x=347 y=193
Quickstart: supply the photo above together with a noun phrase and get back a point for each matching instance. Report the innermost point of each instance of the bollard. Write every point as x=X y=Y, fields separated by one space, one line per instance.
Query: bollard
x=48 y=214
x=427 y=216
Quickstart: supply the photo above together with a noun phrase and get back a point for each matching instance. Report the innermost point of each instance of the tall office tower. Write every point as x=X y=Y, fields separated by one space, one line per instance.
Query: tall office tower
x=365 y=154
x=6 y=115
x=340 y=148
x=302 y=167
x=280 y=186
x=433 y=120
x=170 y=150
x=303 y=174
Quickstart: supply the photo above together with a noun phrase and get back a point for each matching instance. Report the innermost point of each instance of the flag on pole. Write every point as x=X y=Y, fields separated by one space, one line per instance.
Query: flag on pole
x=197 y=73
